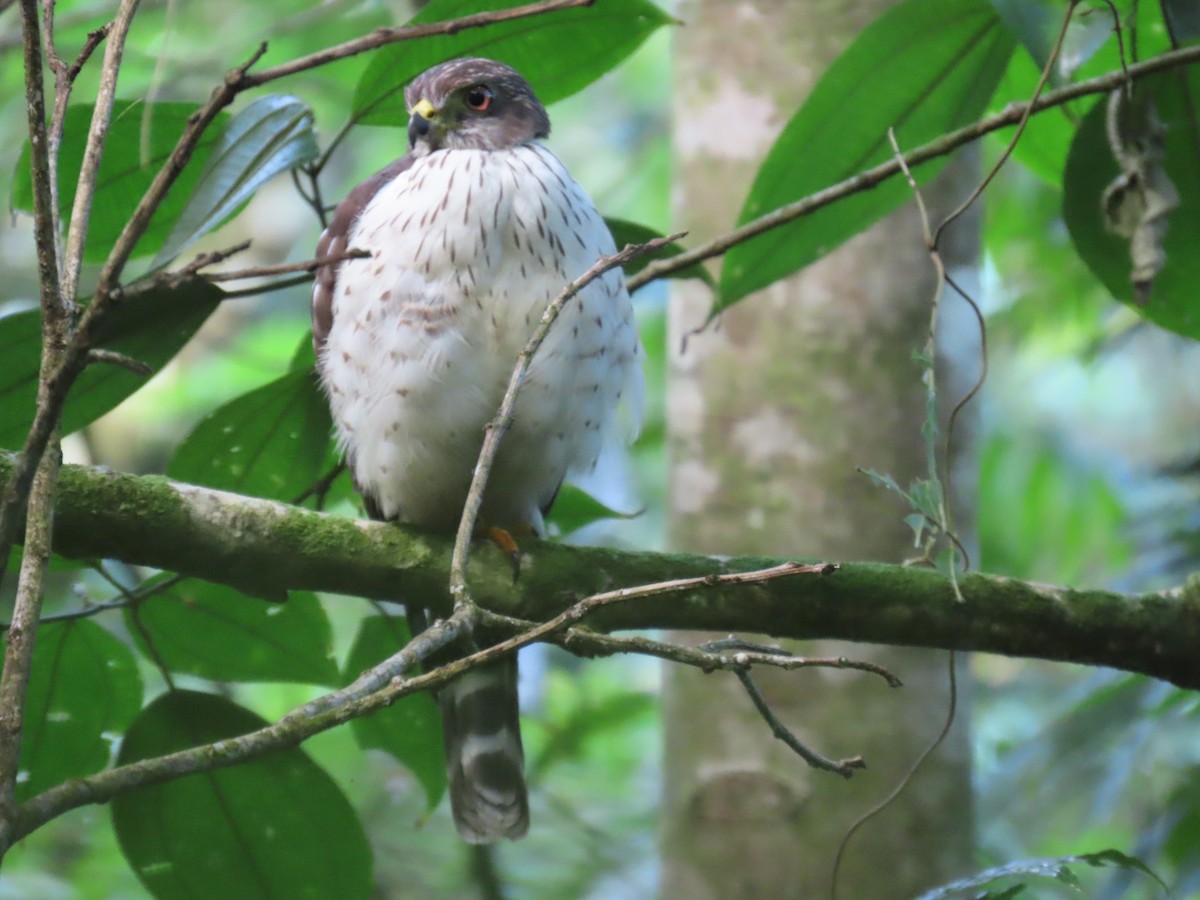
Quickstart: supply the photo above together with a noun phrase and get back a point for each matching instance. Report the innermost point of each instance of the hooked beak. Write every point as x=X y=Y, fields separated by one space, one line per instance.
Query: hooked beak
x=421 y=121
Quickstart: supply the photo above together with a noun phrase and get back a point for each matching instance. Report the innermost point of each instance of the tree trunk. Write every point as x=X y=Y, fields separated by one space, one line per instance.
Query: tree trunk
x=770 y=411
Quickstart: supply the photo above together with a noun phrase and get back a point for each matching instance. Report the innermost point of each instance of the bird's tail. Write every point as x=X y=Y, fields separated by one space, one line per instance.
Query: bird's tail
x=485 y=763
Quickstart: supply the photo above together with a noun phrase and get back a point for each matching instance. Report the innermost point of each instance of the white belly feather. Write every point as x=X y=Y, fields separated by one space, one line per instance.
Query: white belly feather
x=467 y=249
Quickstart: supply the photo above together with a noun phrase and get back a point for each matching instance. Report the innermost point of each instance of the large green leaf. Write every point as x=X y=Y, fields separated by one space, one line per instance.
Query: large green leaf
x=84 y=685
x=598 y=36
x=923 y=68
x=213 y=631
x=271 y=135
x=272 y=442
x=276 y=827
x=411 y=729
x=125 y=173
x=1091 y=168
x=150 y=327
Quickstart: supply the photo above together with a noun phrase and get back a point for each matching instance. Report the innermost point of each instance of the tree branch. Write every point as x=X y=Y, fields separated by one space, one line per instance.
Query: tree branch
x=266 y=548
x=381 y=36
x=378 y=687
x=93 y=151
x=942 y=146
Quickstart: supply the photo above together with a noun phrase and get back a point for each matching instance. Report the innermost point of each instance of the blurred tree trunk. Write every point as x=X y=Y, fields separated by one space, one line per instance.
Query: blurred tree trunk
x=769 y=413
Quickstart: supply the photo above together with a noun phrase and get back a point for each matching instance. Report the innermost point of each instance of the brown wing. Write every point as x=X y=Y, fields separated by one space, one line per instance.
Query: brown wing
x=334 y=240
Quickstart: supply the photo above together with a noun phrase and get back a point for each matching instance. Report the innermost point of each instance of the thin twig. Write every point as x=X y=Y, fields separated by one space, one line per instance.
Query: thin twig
x=942 y=146
x=81 y=209
x=64 y=81
x=495 y=429
x=844 y=767
x=725 y=655
x=1012 y=144
x=18 y=652
x=883 y=804
x=112 y=358
x=381 y=36
x=211 y=258
x=376 y=688
x=72 y=615
x=259 y=289
x=945 y=521
x=974 y=390
x=307 y=265
x=54 y=316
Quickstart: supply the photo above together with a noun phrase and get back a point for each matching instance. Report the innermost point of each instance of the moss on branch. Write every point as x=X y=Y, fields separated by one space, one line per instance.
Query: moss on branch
x=266 y=549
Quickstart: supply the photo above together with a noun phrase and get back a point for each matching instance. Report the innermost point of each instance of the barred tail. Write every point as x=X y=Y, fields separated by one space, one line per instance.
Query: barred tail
x=485 y=763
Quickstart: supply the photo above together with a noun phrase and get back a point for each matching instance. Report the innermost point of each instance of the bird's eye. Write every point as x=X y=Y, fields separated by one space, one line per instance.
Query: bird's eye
x=479 y=97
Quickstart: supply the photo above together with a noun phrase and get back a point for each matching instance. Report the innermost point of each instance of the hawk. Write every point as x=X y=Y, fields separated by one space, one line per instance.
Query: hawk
x=470 y=235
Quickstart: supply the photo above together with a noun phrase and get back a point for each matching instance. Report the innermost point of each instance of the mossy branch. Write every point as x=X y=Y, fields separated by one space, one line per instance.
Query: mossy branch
x=266 y=549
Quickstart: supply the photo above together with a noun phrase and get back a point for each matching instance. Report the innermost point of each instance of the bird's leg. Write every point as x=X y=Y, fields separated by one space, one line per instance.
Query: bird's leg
x=503 y=538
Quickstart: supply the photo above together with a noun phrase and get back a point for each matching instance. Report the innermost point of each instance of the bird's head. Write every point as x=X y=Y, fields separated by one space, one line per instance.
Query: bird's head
x=475 y=104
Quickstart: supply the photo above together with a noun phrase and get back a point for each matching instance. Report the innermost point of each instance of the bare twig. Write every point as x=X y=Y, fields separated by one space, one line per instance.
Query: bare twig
x=112 y=358
x=64 y=81
x=729 y=654
x=944 y=525
x=18 y=655
x=883 y=804
x=843 y=767
x=259 y=289
x=307 y=265
x=54 y=316
x=85 y=189
x=499 y=425
x=942 y=146
x=381 y=36
x=376 y=688
x=1020 y=130
x=204 y=260
x=84 y=612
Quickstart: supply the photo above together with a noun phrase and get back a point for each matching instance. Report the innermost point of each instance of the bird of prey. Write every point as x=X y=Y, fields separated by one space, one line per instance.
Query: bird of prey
x=470 y=235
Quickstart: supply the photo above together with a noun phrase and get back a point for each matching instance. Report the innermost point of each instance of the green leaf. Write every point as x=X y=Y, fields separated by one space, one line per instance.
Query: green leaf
x=1091 y=168
x=625 y=232
x=212 y=631
x=124 y=173
x=150 y=327
x=1057 y=869
x=411 y=729
x=84 y=686
x=574 y=507
x=274 y=827
x=598 y=36
x=271 y=135
x=272 y=442
x=883 y=480
x=923 y=68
